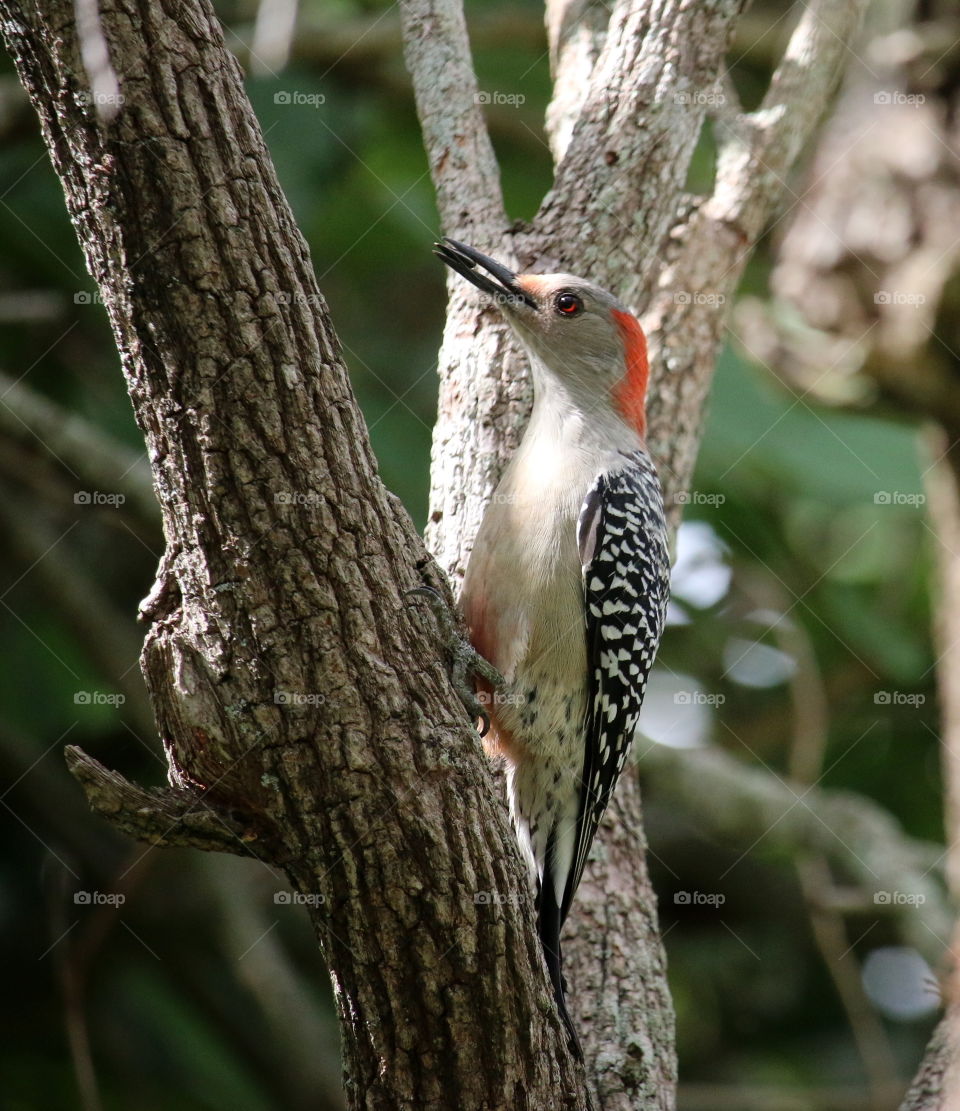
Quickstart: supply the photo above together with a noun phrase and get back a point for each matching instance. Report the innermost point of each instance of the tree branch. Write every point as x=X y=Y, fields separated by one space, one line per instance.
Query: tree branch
x=95 y=462
x=626 y=162
x=625 y=145
x=877 y=296
x=165 y=817
x=279 y=651
x=462 y=163
x=467 y=183
x=575 y=34
x=856 y=835
x=938 y=1073
x=712 y=241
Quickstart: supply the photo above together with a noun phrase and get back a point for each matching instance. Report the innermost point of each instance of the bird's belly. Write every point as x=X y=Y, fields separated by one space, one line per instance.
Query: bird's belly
x=533 y=632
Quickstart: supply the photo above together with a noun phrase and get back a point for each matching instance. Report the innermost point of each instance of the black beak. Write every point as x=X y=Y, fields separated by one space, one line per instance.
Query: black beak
x=465 y=260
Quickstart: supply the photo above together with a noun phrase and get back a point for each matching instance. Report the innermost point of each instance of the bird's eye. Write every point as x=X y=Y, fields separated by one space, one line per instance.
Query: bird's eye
x=568 y=304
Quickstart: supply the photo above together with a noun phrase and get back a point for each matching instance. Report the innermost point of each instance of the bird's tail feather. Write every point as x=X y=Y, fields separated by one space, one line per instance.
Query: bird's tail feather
x=549 y=922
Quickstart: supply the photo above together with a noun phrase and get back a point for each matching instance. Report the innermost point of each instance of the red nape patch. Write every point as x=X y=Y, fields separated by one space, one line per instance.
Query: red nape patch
x=630 y=394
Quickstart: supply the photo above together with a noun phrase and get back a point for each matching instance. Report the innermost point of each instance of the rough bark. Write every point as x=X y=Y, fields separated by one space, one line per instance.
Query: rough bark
x=937 y=1074
x=279 y=647
x=632 y=92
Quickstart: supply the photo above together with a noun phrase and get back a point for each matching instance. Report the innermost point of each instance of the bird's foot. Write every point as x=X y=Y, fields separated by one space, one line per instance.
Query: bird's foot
x=467 y=661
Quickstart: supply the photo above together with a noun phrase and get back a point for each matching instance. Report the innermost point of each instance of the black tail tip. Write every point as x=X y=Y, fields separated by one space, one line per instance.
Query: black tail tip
x=573 y=1043
x=549 y=923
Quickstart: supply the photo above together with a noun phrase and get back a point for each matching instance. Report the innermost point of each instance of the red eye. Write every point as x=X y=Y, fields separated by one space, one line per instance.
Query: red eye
x=568 y=304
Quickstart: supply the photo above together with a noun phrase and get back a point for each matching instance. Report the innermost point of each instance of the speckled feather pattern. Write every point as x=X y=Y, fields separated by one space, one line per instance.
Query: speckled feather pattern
x=566 y=588
x=573 y=626
x=626 y=580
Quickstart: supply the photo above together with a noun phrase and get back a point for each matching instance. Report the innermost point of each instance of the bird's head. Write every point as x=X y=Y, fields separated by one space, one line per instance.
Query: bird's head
x=575 y=330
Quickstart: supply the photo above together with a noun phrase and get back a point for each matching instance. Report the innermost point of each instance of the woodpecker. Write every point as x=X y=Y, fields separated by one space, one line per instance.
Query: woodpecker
x=566 y=587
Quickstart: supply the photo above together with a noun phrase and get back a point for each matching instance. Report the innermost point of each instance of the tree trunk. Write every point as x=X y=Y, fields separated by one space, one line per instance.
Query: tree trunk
x=630 y=98
x=300 y=698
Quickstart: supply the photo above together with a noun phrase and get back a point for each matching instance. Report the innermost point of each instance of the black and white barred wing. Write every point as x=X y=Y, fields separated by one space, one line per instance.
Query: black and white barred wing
x=626 y=577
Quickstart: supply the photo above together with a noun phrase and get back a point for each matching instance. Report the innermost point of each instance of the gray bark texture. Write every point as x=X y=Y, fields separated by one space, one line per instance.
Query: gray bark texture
x=632 y=92
x=302 y=701
x=279 y=647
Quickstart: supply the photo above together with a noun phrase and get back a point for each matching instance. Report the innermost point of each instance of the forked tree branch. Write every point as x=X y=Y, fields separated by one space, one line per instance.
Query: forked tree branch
x=631 y=97
x=303 y=703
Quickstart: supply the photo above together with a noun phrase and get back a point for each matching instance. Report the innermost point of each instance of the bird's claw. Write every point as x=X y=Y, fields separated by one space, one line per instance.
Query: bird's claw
x=466 y=659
